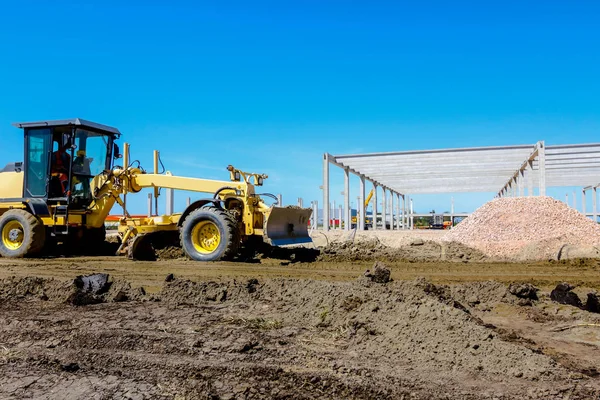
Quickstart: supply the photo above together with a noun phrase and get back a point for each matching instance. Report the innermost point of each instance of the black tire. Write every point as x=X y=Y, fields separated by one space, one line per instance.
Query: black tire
x=30 y=231
x=227 y=227
x=141 y=249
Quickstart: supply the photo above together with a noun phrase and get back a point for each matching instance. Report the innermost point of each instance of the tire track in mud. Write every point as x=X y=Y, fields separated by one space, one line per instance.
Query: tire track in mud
x=151 y=275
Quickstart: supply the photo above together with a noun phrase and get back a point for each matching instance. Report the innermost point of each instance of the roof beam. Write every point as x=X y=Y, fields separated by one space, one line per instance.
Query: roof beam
x=333 y=160
x=457 y=150
x=523 y=167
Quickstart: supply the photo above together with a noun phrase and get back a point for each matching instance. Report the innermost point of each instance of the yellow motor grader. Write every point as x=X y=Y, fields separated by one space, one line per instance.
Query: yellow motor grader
x=67 y=184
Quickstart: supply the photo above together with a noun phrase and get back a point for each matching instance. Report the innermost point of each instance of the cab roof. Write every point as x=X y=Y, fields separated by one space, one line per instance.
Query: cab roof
x=65 y=122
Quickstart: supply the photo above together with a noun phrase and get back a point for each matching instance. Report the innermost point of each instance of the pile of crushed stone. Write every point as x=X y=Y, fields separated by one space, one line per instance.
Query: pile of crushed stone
x=528 y=228
x=371 y=249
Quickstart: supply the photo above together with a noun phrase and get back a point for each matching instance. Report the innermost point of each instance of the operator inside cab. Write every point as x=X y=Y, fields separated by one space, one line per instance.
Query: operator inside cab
x=61 y=161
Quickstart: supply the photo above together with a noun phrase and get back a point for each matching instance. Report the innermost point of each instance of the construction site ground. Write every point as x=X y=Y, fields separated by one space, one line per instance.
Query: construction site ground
x=286 y=326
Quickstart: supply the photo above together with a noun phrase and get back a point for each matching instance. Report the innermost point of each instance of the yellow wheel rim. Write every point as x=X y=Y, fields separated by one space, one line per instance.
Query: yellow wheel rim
x=12 y=235
x=206 y=237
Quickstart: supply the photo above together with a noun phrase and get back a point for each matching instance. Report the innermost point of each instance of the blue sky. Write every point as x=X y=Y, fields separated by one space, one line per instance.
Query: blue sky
x=270 y=86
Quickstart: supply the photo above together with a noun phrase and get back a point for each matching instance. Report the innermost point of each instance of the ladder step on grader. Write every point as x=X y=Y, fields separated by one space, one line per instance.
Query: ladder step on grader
x=66 y=186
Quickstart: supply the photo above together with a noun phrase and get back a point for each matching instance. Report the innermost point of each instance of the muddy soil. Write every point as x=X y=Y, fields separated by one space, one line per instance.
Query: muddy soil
x=293 y=338
x=365 y=249
x=418 y=250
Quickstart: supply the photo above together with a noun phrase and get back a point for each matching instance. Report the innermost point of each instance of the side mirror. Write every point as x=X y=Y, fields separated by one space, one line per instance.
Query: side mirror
x=116 y=152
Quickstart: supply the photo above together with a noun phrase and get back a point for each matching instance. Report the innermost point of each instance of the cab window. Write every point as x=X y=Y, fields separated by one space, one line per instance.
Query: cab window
x=38 y=148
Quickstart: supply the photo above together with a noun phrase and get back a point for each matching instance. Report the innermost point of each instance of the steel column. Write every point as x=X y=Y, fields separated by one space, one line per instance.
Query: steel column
x=334 y=216
x=384 y=210
x=520 y=184
x=412 y=217
x=451 y=212
x=170 y=200
x=583 y=205
x=542 y=167
x=530 y=179
x=407 y=212
x=392 y=225
x=403 y=211
x=326 y=192
x=347 y=217
x=361 y=215
x=406 y=202
x=397 y=210
x=594 y=206
x=149 y=205
x=357 y=212
x=374 y=206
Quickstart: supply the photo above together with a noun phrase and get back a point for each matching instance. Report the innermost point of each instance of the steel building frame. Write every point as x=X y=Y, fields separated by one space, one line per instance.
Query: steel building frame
x=505 y=170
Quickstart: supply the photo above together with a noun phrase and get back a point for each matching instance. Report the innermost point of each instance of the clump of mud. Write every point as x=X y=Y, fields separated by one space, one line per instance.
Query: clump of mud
x=183 y=291
x=372 y=249
x=83 y=290
x=593 y=302
x=563 y=294
x=188 y=292
x=170 y=253
x=524 y=290
x=379 y=273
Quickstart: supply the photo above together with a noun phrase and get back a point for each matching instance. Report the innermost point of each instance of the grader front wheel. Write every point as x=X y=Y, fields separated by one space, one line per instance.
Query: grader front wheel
x=21 y=234
x=210 y=234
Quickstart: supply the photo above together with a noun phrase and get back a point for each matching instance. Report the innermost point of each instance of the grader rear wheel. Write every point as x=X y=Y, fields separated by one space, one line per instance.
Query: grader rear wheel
x=210 y=234
x=21 y=234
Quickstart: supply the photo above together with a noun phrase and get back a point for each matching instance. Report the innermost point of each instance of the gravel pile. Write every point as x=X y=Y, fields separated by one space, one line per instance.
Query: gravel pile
x=528 y=228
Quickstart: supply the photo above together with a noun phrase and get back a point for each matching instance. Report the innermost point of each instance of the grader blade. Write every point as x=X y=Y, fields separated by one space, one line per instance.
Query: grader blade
x=287 y=225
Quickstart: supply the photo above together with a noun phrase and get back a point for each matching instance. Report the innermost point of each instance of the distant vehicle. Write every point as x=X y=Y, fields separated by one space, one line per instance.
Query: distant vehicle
x=436 y=221
x=368 y=221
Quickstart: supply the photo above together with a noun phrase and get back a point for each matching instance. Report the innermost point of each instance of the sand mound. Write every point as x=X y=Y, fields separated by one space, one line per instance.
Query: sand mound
x=414 y=321
x=528 y=228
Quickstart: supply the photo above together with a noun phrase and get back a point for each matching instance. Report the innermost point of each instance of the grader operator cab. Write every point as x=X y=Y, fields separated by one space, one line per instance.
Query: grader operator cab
x=67 y=184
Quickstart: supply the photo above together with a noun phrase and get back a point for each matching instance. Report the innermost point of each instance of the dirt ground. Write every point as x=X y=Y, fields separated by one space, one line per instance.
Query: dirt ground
x=280 y=327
